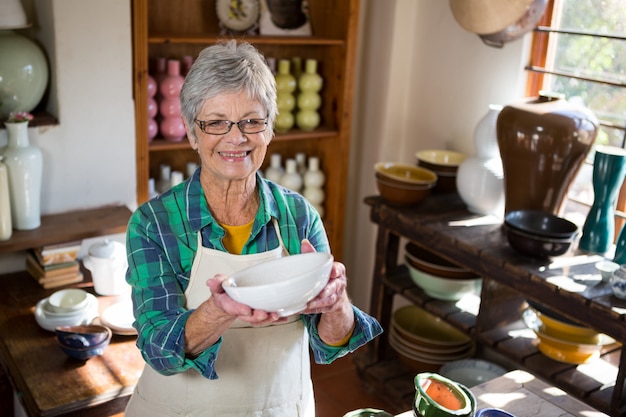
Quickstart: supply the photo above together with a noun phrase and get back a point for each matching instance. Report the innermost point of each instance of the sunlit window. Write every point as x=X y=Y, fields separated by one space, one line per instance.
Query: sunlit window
x=579 y=50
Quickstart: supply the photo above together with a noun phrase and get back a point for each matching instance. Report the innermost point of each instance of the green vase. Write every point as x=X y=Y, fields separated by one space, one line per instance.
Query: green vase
x=309 y=100
x=23 y=73
x=285 y=100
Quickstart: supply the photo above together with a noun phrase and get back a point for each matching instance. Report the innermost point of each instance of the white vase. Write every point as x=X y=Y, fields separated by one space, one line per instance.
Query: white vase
x=480 y=178
x=6 y=226
x=291 y=179
x=25 y=167
x=275 y=171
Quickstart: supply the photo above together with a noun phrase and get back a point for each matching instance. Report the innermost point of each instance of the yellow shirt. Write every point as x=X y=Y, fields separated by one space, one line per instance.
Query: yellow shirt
x=236 y=236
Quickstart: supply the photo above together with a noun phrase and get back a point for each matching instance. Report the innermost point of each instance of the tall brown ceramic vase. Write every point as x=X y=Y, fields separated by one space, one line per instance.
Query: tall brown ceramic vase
x=543 y=142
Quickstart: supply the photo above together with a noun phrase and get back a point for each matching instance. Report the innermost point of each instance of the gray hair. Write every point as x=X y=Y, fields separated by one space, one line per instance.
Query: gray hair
x=228 y=67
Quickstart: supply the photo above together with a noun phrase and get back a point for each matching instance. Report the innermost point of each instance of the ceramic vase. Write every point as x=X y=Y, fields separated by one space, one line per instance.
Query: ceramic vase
x=6 y=226
x=275 y=171
x=285 y=100
x=171 y=126
x=480 y=178
x=23 y=73
x=314 y=180
x=165 y=178
x=543 y=142
x=291 y=179
x=309 y=100
x=153 y=108
x=25 y=167
x=609 y=167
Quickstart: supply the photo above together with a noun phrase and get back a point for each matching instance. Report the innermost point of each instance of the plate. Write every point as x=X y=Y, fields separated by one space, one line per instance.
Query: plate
x=119 y=318
x=471 y=372
x=50 y=322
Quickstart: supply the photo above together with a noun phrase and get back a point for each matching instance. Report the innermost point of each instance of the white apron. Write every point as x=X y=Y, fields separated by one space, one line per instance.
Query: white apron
x=263 y=371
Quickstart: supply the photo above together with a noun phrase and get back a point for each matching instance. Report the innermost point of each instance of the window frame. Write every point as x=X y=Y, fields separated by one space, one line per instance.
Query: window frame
x=534 y=83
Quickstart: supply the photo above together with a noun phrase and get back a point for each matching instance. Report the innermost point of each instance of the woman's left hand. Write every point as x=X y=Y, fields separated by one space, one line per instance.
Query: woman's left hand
x=333 y=296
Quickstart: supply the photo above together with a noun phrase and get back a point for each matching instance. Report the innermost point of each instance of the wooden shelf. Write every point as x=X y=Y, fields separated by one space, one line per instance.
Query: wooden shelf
x=162 y=29
x=66 y=227
x=441 y=225
x=202 y=39
x=159 y=145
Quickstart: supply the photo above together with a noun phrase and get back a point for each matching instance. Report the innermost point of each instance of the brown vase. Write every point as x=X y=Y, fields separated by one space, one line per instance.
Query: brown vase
x=543 y=142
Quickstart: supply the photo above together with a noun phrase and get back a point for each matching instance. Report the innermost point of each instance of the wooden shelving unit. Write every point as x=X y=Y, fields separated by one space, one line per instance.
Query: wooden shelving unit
x=509 y=280
x=165 y=29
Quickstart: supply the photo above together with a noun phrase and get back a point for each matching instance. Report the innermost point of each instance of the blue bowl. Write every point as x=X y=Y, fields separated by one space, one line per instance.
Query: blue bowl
x=83 y=342
x=492 y=412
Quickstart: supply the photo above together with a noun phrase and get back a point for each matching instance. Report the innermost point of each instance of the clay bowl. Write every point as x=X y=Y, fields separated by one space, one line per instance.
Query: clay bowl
x=405 y=173
x=541 y=223
x=438 y=396
x=423 y=328
x=441 y=288
x=83 y=342
x=403 y=195
x=443 y=163
x=537 y=246
x=439 y=160
x=426 y=261
x=284 y=285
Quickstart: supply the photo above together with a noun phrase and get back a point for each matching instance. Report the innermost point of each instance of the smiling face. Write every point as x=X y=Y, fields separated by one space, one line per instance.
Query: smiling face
x=234 y=156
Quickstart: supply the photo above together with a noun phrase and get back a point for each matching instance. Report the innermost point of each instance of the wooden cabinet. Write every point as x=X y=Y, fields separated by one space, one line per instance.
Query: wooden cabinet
x=162 y=28
x=443 y=225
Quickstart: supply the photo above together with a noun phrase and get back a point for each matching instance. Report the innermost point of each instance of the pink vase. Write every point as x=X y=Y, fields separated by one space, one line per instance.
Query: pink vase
x=171 y=125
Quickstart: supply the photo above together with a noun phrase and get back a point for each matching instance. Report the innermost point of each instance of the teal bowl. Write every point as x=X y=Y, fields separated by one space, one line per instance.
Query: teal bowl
x=438 y=396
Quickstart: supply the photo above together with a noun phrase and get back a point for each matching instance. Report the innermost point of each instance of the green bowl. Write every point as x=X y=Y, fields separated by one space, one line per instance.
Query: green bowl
x=368 y=412
x=438 y=396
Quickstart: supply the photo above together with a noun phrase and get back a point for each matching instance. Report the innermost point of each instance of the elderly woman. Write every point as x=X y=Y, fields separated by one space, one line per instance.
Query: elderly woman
x=207 y=354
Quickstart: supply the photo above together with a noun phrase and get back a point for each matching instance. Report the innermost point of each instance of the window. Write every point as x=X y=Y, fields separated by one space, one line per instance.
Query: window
x=579 y=50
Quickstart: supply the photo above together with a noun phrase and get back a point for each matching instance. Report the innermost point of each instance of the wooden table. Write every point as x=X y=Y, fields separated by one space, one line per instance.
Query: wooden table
x=524 y=395
x=48 y=382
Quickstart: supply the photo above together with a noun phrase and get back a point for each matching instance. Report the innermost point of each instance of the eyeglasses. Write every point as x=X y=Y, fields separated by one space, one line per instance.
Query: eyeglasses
x=222 y=127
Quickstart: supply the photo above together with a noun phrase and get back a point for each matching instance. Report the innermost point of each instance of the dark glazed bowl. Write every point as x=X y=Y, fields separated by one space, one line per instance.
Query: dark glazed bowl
x=541 y=223
x=492 y=412
x=537 y=246
x=83 y=342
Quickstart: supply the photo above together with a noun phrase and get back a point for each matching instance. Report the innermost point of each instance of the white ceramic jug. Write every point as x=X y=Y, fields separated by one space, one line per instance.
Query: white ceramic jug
x=106 y=260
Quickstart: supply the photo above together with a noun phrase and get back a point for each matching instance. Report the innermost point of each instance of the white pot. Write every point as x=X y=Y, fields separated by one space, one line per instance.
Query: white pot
x=106 y=260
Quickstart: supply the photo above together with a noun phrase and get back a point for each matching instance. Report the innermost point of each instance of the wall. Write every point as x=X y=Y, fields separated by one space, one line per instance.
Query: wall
x=89 y=157
x=423 y=82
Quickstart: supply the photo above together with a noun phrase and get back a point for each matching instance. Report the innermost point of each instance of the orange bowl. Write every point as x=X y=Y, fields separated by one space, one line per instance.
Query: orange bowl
x=402 y=194
x=431 y=263
x=405 y=174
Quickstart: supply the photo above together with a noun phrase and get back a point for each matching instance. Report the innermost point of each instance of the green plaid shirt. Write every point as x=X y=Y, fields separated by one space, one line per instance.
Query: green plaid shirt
x=161 y=242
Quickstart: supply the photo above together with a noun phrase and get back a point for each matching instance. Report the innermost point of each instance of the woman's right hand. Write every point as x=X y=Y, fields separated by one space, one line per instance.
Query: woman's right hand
x=242 y=312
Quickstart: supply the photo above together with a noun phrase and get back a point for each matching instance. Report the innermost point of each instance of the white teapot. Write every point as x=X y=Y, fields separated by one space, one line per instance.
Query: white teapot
x=107 y=262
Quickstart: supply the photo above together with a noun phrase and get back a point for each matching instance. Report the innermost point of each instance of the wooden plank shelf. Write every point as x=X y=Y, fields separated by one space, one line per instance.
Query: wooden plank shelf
x=568 y=285
x=69 y=226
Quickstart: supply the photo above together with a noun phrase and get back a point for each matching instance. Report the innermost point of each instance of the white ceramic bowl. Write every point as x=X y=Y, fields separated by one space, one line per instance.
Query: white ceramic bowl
x=283 y=285
x=68 y=300
x=441 y=288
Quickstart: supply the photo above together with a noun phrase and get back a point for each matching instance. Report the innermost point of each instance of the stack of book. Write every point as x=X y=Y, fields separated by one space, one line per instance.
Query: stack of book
x=55 y=265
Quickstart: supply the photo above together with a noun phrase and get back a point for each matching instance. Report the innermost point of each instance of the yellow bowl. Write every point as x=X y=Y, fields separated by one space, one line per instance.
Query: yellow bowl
x=421 y=327
x=405 y=174
x=570 y=332
x=439 y=160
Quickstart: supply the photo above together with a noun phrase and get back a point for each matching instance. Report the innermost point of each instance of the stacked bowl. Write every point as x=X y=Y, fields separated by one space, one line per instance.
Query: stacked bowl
x=403 y=185
x=67 y=307
x=438 y=277
x=538 y=233
x=443 y=163
x=425 y=342
x=563 y=340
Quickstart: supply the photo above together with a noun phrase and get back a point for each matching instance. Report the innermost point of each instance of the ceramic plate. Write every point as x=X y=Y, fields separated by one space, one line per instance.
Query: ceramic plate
x=49 y=322
x=119 y=318
x=471 y=372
